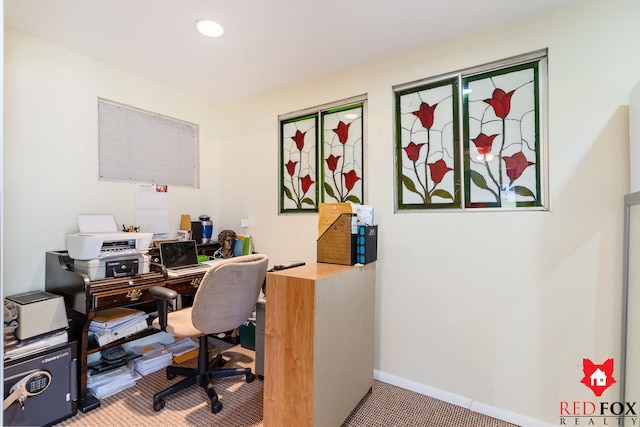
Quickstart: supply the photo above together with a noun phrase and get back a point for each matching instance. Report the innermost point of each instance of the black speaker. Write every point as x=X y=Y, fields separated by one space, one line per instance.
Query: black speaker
x=196 y=231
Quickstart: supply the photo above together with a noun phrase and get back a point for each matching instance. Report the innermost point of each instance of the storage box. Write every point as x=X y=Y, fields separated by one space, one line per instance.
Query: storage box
x=39 y=313
x=337 y=244
x=248 y=336
x=367 y=244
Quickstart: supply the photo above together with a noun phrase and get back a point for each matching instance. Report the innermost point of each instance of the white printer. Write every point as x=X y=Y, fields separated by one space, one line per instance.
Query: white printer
x=84 y=246
x=100 y=251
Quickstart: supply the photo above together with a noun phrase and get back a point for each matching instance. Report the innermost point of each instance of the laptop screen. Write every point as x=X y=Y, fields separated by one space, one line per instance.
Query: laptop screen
x=176 y=254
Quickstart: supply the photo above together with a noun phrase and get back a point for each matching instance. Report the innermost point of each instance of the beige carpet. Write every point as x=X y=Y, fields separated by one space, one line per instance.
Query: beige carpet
x=242 y=404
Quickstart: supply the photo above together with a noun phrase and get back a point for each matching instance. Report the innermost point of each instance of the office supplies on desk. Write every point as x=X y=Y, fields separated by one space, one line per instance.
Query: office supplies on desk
x=345 y=238
x=181 y=258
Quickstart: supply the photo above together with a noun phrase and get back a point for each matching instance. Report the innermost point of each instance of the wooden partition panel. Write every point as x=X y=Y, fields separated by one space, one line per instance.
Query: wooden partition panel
x=319 y=332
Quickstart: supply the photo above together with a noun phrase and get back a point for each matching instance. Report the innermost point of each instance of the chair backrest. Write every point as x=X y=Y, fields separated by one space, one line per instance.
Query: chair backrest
x=228 y=293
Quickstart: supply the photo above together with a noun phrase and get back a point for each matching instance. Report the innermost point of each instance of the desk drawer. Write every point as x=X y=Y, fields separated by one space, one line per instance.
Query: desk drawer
x=123 y=297
x=185 y=285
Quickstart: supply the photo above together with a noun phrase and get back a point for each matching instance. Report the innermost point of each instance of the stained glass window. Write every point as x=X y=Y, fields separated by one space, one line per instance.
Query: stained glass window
x=298 y=164
x=322 y=156
x=484 y=125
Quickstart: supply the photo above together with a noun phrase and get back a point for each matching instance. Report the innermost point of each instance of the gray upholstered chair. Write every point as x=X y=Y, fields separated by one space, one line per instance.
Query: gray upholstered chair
x=224 y=300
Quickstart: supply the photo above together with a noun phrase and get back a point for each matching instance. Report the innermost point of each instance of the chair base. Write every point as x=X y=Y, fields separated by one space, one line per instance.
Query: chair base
x=203 y=376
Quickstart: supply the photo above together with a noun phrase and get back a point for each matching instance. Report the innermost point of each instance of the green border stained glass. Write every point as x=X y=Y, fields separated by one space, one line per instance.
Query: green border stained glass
x=298 y=164
x=342 y=154
x=474 y=139
x=322 y=164
x=427 y=146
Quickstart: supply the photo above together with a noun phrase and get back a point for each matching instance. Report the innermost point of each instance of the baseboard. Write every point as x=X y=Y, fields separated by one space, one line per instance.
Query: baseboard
x=465 y=402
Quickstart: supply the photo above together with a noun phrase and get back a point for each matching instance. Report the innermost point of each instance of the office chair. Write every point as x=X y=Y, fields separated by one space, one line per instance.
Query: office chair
x=224 y=300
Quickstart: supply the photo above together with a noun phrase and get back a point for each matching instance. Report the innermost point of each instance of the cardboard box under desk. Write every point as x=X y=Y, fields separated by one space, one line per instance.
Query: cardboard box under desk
x=337 y=245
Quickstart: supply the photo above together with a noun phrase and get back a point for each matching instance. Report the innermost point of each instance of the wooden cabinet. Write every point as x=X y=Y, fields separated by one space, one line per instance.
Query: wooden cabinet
x=319 y=334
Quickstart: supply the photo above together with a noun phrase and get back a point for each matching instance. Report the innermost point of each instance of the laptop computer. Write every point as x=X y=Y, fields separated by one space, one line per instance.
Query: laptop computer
x=181 y=258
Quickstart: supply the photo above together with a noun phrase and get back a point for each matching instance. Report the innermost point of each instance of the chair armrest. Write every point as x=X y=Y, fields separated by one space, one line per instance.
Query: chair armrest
x=163 y=296
x=162 y=293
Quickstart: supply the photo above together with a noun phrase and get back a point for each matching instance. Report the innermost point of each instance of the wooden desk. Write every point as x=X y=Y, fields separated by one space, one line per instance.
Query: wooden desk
x=319 y=333
x=84 y=297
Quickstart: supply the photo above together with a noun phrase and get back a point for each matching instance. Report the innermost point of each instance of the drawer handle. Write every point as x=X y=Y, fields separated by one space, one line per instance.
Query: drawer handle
x=134 y=294
x=195 y=282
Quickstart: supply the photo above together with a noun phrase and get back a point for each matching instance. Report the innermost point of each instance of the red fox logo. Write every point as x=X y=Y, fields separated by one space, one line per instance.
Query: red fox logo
x=597 y=377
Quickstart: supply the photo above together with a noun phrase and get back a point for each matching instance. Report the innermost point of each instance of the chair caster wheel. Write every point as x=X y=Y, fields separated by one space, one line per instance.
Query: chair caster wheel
x=216 y=407
x=157 y=406
x=170 y=376
x=211 y=392
x=250 y=378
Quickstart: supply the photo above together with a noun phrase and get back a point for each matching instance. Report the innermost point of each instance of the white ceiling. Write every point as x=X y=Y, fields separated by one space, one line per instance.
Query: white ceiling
x=267 y=45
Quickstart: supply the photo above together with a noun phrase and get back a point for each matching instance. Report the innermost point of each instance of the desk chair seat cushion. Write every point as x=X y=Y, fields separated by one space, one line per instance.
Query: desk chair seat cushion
x=179 y=324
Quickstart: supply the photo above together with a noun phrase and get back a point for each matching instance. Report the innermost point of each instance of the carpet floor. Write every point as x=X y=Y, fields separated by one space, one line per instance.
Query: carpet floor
x=387 y=406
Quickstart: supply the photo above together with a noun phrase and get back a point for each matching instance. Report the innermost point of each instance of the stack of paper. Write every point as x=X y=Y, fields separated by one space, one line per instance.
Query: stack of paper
x=115 y=323
x=110 y=382
x=152 y=361
x=182 y=350
x=35 y=345
x=181 y=347
x=365 y=215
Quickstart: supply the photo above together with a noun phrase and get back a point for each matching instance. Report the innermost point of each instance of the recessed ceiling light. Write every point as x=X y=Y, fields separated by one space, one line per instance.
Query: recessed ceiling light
x=209 y=28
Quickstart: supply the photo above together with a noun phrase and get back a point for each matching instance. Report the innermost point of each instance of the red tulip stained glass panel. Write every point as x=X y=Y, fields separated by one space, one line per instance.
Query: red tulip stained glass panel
x=298 y=154
x=427 y=146
x=502 y=138
x=474 y=139
x=342 y=154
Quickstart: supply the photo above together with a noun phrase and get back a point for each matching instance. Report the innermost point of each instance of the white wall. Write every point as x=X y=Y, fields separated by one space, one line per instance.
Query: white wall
x=1 y=182
x=51 y=151
x=496 y=310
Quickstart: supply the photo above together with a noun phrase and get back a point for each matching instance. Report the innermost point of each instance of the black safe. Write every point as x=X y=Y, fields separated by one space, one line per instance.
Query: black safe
x=47 y=383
